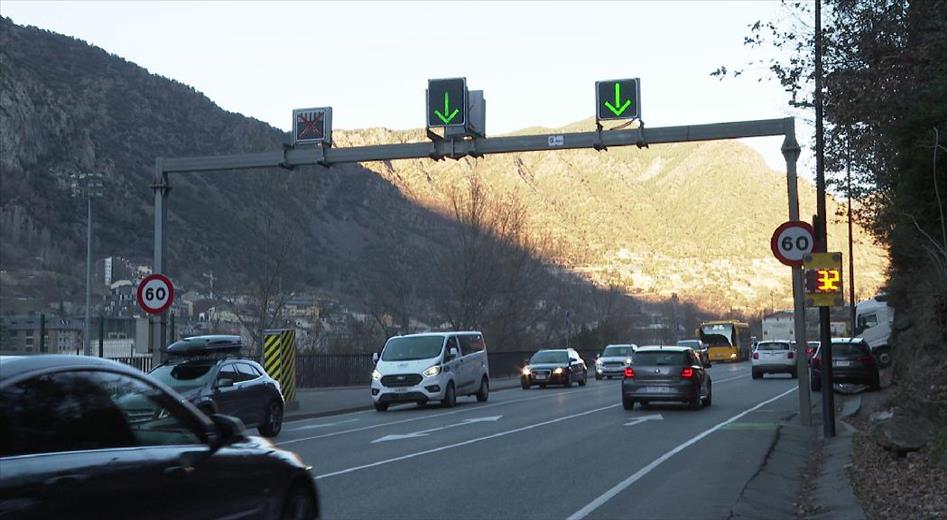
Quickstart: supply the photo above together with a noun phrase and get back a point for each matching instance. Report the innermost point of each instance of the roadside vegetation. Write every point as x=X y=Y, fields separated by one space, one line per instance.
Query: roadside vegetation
x=886 y=120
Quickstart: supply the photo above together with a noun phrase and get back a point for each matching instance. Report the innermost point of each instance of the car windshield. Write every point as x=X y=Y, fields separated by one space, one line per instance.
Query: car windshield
x=660 y=358
x=186 y=375
x=617 y=350
x=549 y=356
x=772 y=345
x=410 y=348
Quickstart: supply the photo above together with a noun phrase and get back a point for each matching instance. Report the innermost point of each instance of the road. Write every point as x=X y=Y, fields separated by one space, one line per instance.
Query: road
x=547 y=453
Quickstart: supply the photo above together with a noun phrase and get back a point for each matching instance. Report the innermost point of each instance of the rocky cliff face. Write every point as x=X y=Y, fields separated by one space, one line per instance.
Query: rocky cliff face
x=691 y=218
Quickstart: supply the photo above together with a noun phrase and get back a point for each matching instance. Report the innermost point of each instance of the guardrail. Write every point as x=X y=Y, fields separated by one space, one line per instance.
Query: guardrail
x=324 y=370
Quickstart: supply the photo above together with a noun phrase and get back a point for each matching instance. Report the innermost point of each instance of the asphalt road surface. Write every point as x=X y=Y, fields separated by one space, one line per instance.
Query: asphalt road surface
x=547 y=453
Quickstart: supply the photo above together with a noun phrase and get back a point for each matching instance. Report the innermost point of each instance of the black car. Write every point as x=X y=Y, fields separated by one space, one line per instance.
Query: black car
x=852 y=362
x=556 y=367
x=84 y=437
x=666 y=374
x=210 y=373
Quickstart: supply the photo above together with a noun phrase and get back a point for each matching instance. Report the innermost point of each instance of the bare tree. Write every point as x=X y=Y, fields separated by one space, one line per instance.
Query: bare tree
x=265 y=276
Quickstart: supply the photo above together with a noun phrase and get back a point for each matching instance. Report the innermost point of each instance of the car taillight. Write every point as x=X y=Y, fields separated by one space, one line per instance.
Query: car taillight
x=756 y=355
x=629 y=372
x=792 y=354
x=809 y=351
x=687 y=373
x=868 y=360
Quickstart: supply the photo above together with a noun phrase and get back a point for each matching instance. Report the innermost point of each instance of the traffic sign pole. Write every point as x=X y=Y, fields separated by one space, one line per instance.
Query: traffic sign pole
x=791 y=151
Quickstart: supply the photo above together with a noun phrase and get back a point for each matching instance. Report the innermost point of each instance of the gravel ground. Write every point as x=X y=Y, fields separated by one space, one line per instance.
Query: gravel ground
x=889 y=486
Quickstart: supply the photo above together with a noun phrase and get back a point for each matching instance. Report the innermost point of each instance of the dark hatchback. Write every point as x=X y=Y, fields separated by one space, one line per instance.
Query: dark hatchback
x=554 y=367
x=852 y=362
x=85 y=437
x=210 y=373
x=666 y=374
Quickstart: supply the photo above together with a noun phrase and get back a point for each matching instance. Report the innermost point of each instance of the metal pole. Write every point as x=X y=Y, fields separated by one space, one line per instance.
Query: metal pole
x=88 y=276
x=791 y=151
x=101 y=336
x=42 y=333
x=159 y=336
x=851 y=253
x=825 y=333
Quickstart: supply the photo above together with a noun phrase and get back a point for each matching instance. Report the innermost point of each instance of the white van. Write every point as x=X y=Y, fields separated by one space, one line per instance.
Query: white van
x=435 y=366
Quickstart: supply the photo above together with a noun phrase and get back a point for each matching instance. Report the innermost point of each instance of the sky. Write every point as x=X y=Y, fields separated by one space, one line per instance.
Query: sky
x=537 y=62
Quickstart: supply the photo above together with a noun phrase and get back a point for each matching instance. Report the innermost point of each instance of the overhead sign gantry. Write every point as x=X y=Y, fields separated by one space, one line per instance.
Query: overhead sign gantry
x=455 y=119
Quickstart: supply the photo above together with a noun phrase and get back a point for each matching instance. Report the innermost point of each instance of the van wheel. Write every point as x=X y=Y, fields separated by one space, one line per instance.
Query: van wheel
x=584 y=380
x=627 y=403
x=381 y=407
x=757 y=374
x=484 y=392
x=883 y=354
x=568 y=382
x=450 y=398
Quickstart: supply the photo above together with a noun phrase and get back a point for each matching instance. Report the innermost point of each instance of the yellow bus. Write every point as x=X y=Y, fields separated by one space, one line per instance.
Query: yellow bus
x=726 y=340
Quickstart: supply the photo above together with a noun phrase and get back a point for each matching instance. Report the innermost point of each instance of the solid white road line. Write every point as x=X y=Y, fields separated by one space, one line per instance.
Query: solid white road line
x=623 y=485
x=464 y=443
x=729 y=379
x=424 y=417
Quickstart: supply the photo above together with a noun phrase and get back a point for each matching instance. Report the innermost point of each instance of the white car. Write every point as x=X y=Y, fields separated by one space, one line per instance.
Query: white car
x=438 y=366
x=613 y=360
x=774 y=357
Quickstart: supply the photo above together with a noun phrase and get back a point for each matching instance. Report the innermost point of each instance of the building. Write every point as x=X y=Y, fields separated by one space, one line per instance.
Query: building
x=21 y=334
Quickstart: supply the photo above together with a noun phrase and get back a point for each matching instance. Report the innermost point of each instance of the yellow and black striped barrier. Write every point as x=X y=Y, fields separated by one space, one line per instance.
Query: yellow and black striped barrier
x=279 y=360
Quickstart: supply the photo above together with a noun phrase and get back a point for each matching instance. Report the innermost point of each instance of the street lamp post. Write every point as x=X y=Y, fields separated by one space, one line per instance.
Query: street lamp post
x=88 y=185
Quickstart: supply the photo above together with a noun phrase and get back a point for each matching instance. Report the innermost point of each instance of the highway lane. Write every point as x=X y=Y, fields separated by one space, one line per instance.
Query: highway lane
x=546 y=453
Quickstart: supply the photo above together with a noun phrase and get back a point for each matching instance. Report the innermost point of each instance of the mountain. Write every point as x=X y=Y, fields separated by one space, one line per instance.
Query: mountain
x=693 y=219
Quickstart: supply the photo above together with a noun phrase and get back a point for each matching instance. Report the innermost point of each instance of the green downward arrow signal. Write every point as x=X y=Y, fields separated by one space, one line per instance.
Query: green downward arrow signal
x=445 y=118
x=618 y=108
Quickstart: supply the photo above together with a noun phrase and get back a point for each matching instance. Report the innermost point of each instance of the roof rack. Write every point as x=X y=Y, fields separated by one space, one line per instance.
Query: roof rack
x=205 y=346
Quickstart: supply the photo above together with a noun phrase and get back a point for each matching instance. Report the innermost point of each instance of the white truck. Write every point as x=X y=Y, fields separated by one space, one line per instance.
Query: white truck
x=873 y=320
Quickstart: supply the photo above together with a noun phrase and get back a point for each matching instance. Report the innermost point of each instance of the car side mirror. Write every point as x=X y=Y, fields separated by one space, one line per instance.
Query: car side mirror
x=453 y=352
x=375 y=358
x=224 y=383
x=230 y=430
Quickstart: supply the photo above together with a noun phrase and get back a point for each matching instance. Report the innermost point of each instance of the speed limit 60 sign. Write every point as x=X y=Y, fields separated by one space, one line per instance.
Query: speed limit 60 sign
x=155 y=294
x=791 y=242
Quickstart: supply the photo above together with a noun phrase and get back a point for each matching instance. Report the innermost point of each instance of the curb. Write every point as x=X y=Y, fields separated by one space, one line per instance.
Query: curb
x=503 y=385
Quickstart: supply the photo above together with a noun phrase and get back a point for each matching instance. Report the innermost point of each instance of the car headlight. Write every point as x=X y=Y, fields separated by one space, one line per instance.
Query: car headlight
x=627 y=360
x=733 y=356
x=598 y=362
x=526 y=371
x=557 y=371
x=376 y=375
x=432 y=371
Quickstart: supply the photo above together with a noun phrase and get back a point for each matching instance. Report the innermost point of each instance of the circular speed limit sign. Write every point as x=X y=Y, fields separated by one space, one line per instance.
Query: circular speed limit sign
x=155 y=294
x=791 y=242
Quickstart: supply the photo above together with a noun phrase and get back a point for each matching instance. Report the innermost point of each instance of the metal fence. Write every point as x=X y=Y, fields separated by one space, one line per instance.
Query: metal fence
x=143 y=363
x=322 y=370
